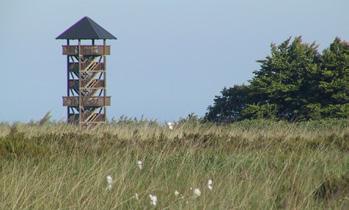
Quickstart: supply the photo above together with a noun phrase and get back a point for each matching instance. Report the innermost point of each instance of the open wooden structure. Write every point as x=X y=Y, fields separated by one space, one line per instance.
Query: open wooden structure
x=86 y=99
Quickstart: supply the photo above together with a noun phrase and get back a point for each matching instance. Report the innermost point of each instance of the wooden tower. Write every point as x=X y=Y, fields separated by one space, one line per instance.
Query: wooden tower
x=86 y=99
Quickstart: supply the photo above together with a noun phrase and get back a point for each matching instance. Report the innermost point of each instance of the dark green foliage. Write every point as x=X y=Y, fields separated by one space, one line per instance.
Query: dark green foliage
x=295 y=82
x=286 y=80
x=228 y=107
x=260 y=111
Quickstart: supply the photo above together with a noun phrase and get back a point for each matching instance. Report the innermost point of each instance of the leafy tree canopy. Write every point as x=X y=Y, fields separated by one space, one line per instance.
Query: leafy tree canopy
x=295 y=82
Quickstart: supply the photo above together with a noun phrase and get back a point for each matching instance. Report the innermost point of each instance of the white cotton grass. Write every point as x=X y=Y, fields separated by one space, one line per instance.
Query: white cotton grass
x=196 y=192
x=140 y=164
x=170 y=125
x=210 y=184
x=137 y=196
x=153 y=199
x=109 y=182
x=178 y=194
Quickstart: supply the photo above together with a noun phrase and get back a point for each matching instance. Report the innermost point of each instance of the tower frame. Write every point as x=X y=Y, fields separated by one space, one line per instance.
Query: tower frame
x=86 y=98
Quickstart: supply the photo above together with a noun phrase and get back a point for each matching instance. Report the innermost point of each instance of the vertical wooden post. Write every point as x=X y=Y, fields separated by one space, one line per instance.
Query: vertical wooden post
x=80 y=97
x=105 y=80
x=68 y=93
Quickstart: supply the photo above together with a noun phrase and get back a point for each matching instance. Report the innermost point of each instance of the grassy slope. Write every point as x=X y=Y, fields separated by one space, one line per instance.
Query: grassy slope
x=253 y=165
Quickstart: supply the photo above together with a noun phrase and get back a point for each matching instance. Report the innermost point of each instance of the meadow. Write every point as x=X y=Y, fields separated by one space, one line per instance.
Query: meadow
x=251 y=164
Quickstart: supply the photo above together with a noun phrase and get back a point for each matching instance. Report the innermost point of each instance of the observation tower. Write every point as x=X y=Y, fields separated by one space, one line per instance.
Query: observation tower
x=86 y=50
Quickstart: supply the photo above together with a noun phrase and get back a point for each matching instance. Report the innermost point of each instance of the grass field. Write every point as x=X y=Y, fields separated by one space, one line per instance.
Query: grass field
x=253 y=165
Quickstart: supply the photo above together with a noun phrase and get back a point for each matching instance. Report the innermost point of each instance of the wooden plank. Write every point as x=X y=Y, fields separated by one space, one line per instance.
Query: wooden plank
x=86 y=50
x=74 y=84
x=74 y=67
x=75 y=117
x=95 y=101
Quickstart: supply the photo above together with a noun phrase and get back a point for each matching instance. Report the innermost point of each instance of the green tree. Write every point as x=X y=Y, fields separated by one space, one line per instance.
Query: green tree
x=295 y=82
x=334 y=80
x=286 y=79
x=228 y=106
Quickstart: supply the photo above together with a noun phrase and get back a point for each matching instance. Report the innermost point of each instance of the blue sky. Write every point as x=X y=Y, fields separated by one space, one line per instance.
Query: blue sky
x=171 y=57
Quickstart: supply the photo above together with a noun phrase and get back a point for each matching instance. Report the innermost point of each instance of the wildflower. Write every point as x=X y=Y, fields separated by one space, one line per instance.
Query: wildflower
x=170 y=125
x=140 y=164
x=197 y=192
x=153 y=199
x=136 y=196
x=109 y=179
x=177 y=193
x=109 y=182
x=209 y=184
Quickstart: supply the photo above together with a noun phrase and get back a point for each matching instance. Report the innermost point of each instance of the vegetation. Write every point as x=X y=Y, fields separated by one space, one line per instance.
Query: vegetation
x=248 y=164
x=295 y=83
x=253 y=164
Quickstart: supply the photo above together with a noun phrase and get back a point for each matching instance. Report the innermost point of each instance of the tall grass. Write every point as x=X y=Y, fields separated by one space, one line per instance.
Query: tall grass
x=253 y=165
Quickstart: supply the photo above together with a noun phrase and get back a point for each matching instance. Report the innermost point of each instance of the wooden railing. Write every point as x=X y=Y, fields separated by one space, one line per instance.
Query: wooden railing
x=86 y=50
x=75 y=67
x=86 y=101
x=74 y=84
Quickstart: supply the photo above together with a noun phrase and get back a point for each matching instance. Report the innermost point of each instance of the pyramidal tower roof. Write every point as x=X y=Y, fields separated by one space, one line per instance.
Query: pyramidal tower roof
x=86 y=28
